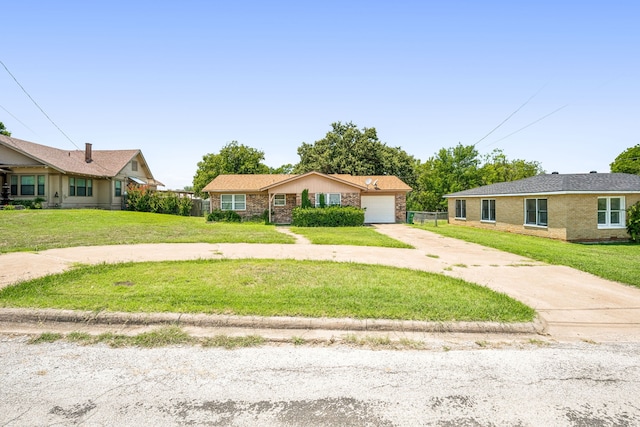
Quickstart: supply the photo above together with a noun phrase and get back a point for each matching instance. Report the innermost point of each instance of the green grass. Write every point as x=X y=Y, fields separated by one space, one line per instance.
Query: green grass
x=356 y=236
x=34 y=230
x=613 y=261
x=268 y=288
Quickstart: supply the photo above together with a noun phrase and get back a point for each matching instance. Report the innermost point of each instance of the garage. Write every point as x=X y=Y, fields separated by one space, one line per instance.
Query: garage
x=379 y=209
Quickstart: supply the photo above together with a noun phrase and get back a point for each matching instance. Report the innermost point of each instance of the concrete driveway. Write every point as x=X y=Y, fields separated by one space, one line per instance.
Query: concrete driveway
x=572 y=304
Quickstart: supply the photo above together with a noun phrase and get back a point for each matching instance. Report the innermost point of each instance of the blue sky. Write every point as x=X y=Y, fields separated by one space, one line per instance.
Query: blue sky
x=182 y=79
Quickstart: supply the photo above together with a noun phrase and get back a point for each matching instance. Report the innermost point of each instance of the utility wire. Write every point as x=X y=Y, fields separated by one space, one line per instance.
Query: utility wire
x=17 y=119
x=530 y=124
x=510 y=115
x=43 y=112
x=36 y=104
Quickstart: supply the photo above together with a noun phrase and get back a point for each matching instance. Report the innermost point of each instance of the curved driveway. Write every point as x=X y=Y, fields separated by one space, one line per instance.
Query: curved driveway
x=573 y=304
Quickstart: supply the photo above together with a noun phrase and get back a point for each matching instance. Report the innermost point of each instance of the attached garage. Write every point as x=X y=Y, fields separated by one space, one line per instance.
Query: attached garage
x=379 y=209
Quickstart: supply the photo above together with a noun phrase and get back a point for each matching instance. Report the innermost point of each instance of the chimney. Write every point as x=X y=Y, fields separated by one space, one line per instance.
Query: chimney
x=87 y=153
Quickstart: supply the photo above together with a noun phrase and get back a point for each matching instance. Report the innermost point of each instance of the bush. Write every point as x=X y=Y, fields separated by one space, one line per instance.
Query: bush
x=141 y=199
x=29 y=204
x=633 y=222
x=219 y=215
x=333 y=216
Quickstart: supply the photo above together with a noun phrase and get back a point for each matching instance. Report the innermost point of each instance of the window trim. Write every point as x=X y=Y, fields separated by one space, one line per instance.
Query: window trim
x=482 y=210
x=134 y=165
x=73 y=187
x=280 y=200
x=608 y=211
x=16 y=185
x=327 y=199
x=538 y=211
x=235 y=202
x=461 y=209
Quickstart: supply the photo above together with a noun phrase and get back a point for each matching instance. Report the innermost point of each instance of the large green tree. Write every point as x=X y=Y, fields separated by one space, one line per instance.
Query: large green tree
x=349 y=150
x=628 y=161
x=497 y=168
x=233 y=158
x=451 y=169
x=3 y=130
x=461 y=168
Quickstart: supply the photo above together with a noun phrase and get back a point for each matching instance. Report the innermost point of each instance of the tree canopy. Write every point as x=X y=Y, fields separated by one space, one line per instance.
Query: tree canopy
x=461 y=168
x=3 y=130
x=349 y=150
x=628 y=161
x=233 y=158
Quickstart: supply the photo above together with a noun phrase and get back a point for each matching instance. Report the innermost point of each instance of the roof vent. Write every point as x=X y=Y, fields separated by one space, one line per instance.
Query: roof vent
x=554 y=173
x=593 y=172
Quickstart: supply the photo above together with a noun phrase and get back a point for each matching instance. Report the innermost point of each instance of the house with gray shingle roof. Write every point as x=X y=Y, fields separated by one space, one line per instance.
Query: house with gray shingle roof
x=71 y=178
x=571 y=207
x=383 y=197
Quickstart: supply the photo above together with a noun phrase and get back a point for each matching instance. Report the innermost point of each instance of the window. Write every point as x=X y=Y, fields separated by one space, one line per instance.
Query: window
x=280 y=200
x=330 y=199
x=233 y=202
x=535 y=212
x=134 y=165
x=14 y=185
x=461 y=209
x=118 y=188
x=488 y=210
x=611 y=212
x=40 y=185
x=27 y=185
x=81 y=187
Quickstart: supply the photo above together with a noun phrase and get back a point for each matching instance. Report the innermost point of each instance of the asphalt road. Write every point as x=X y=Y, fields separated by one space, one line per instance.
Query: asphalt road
x=569 y=384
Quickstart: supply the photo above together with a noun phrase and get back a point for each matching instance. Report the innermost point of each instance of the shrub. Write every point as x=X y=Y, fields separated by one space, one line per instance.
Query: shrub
x=305 y=202
x=8 y=208
x=219 y=215
x=633 y=222
x=333 y=216
x=141 y=199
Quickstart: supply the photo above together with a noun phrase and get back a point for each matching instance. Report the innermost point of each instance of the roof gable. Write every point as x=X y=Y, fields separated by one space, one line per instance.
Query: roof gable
x=559 y=184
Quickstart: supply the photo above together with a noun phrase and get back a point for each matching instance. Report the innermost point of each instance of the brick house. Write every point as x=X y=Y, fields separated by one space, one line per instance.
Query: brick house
x=71 y=178
x=384 y=197
x=571 y=207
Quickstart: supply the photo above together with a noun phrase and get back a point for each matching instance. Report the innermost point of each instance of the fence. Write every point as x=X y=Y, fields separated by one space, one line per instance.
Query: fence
x=415 y=217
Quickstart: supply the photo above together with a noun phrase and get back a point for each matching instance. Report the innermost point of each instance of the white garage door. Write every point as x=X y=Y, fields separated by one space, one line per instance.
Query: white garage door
x=379 y=209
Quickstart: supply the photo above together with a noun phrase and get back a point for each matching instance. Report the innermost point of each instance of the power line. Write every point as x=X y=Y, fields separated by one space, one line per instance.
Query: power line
x=17 y=119
x=510 y=115
x=36 y=104
x=530 y=124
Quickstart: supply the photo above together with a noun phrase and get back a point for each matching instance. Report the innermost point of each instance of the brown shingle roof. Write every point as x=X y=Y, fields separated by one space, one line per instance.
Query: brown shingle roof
x=224 y=183
x=106 y=163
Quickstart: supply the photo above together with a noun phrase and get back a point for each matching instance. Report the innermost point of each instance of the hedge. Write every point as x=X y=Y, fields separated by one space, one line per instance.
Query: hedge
x=333 y=216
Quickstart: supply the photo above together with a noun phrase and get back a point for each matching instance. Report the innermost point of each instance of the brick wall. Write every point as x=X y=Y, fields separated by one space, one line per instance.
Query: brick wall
x=572 y=217
x=401 y=207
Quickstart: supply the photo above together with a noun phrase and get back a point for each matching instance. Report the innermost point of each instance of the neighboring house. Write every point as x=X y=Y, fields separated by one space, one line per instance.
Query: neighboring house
x=572 y=207
x=71 y=179
x=384 y=197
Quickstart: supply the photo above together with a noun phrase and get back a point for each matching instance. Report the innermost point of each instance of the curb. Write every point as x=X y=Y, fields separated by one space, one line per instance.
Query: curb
x=20 y=315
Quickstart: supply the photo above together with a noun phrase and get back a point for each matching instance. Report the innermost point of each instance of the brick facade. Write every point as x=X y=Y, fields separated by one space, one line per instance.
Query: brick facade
x=571 y=217
x=257 y=203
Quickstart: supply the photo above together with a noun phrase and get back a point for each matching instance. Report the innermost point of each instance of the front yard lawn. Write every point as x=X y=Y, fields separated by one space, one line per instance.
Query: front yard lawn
x=268 y=288
x=35 y=230
x=357 y=236
x=613 y=261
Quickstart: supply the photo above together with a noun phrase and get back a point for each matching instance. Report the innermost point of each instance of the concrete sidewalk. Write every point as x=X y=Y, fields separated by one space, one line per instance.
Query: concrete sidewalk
x=572 y=304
